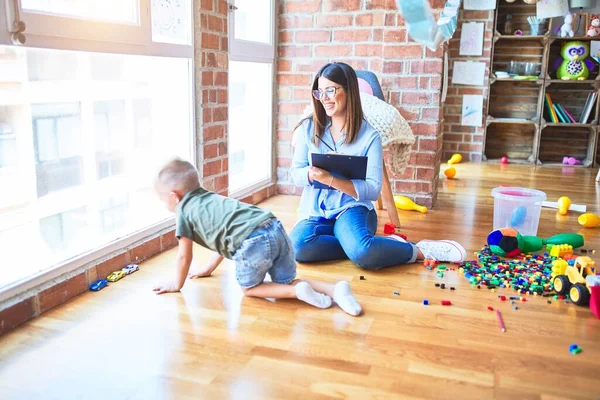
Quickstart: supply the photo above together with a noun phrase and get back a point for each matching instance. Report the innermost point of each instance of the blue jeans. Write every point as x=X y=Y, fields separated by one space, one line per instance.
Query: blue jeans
x=351 y=235
x=267 y=250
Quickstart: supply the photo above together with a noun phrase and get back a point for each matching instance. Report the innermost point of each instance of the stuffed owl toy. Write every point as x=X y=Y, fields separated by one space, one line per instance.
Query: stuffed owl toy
x=575 y=62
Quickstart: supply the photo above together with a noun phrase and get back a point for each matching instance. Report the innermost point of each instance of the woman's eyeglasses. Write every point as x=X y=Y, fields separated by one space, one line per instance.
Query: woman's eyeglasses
x=329 y=92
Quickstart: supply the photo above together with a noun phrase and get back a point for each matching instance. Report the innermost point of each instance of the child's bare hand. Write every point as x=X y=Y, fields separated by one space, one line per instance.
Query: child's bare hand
x=169 y=287
x=201 y=272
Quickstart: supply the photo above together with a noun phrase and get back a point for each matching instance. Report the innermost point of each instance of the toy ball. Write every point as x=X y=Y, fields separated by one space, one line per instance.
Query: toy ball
x=455 y=159
x=589 y=220
x=450 y=172
x=504 y=160
x=518 y=216
x=505 y=242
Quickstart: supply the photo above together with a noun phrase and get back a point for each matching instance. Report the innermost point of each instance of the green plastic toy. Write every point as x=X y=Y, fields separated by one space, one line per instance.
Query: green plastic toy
x=507 y=242
x=574 y=66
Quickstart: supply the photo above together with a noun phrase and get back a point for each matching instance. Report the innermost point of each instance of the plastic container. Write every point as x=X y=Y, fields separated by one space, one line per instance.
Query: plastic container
x=518 y=208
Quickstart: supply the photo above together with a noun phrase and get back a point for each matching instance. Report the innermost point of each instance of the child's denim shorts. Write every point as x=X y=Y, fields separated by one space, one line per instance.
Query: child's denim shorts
x=267 y=250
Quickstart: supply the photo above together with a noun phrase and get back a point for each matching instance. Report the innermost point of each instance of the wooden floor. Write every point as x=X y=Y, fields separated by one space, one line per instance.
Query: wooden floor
x=211 y=343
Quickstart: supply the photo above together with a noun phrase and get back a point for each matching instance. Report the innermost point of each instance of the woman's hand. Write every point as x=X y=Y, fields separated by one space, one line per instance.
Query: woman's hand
x=319 y=175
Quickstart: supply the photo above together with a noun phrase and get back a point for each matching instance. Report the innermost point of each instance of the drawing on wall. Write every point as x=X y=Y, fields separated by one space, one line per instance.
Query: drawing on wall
x=471 y=39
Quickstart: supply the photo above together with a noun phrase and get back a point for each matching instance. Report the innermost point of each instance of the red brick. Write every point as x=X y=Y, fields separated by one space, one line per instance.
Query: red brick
x=342 y=5
x=206 y=5
x=285 y=135
x=294 y=51
x=291 y=108
x=400 y=82
x=351 y=35
x=424 y=129
x=207 y=78
x=390 y=20
x=284 y=161
x=425 y=174
x=302 y=94
x=409 y=114
x=429 y=144
x=437 y=53
x=312 y=67
x=212 y=132
x=210 y=41
x=476 y=14
x=211 y=151
x=225 y=164
x=168 y=240
x=293 y=79
x=284 y=65
x=413 y=187
x=222 y=148
x=427 y=67
x=394 y=35
x=467 y=90
x=296 y=21
x=368 y=50
x=393 y=67
x=373 y=19
x=304 y=6
x=221 y=183
x=15 y=315
x=381 y=5
x=112 y=264
x=416 y=98
x=333 y=51
x=215 y=23
x=430 y=114
x=219 y=114
x=286 y=37
x=470 y=147
x=425 y=159
x=403 y=51
x=313 y=36
x=376 y=66
x=423 y=82
x=211 y=168
x=62 y=292
x=377 y=35
x=222 y=96
x=221 y=78
x=334 y=21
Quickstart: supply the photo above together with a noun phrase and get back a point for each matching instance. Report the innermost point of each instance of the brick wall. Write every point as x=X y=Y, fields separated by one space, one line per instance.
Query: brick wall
x=466 y=140
x=211 y=66
x=367 y=34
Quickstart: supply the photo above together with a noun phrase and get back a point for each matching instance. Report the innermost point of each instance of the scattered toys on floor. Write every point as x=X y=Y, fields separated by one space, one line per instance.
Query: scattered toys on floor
x=446 y=303
x=99 y=285
x=397 y=293
x=114 y=276
x=425 y=302
x=362 y=278
x=406 y=204
x=589 y=220
x=574 y=349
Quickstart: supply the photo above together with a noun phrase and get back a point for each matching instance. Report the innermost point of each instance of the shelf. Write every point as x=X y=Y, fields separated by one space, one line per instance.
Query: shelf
x=586 y=82
x=575 y=38
x=568 y=125
x=493 y=120
x=494 y=79
x=520 y=37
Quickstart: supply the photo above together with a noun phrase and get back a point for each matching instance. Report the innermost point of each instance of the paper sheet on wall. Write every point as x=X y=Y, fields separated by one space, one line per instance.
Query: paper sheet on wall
x=472 y=110
x=595 y=50
x=471 y=39
x=480 y=4
x=468 y=73
x=551 y=8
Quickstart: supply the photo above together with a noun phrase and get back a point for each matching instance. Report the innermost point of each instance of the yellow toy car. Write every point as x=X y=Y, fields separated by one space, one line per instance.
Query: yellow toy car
x=572 y=279
x=115 y=276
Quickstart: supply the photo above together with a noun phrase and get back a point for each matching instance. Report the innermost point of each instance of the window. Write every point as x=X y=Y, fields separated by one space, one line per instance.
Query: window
x=83 y=126
x=251 y=94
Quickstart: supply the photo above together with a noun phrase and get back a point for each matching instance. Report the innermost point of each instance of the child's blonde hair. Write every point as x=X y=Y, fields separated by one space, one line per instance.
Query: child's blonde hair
x=179 y=176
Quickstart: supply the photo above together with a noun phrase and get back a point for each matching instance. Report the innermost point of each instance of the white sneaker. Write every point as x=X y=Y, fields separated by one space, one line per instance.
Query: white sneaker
x=442 y=250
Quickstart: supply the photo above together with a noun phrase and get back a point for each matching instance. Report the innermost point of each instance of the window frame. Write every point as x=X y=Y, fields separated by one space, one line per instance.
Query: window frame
x=140 y=44
x=247 y=51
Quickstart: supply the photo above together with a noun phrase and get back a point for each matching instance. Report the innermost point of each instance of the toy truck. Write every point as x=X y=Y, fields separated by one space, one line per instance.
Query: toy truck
x=572 y=280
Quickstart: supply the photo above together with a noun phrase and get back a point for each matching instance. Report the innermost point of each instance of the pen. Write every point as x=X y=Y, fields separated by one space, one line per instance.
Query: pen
x=500 y=321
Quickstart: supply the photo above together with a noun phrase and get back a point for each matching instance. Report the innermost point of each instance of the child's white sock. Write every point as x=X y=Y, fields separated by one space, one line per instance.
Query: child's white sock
x=342 y=295
x=308 y=295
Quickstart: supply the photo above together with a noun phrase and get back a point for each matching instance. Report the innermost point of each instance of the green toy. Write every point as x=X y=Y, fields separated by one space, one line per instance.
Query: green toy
x=574 y=66
x=507 y=242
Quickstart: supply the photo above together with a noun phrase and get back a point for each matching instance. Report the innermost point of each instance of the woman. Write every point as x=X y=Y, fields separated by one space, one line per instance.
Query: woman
x=340 y=222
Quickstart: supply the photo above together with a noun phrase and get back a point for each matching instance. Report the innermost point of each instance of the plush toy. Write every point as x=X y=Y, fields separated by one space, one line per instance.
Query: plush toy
x=567 y=27
x=574 y=66
x=594 y=28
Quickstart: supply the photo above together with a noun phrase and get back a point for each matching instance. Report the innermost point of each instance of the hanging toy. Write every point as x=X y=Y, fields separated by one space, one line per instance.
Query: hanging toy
x=575 y=62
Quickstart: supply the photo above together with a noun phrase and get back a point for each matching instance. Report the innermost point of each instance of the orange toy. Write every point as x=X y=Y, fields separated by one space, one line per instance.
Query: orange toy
x=450 y=172
x=589 y=220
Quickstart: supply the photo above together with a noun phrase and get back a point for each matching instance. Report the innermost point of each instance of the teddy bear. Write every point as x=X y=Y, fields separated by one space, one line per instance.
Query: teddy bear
x=594 y=28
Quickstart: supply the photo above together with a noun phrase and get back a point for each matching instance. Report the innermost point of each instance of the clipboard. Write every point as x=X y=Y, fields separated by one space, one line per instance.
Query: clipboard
x=340 y=166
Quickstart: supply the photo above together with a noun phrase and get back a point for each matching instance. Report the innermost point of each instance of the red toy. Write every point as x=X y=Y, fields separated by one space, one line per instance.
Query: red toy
x=504 y=160
x=446 y=303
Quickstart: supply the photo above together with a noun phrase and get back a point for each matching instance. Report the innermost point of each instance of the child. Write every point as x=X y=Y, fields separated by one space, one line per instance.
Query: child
x=249 y=235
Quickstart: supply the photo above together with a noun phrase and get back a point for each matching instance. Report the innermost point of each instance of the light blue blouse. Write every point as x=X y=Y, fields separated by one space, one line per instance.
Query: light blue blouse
x=330 y=203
